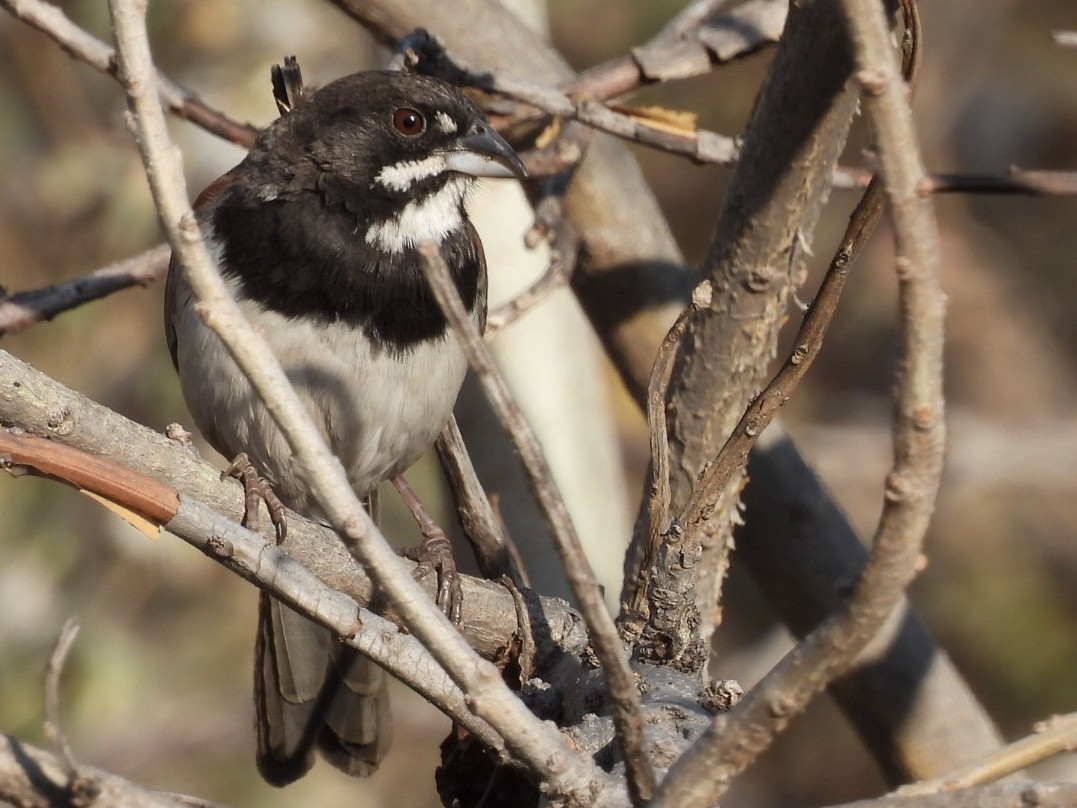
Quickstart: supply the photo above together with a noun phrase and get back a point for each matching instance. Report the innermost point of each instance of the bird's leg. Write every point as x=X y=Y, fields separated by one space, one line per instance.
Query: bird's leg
x=434 y=554
x=256 y=488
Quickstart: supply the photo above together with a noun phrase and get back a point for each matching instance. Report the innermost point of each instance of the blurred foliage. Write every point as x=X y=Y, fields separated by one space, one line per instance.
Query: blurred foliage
x=159 y=684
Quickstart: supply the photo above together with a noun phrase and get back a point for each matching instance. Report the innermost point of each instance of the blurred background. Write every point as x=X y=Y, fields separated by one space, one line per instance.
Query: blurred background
x=158 y=687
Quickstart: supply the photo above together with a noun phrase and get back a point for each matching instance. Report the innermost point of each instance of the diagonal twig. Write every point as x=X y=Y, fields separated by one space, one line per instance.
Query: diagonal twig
x=1054 y=736
x=621 y=684
x=23 y=309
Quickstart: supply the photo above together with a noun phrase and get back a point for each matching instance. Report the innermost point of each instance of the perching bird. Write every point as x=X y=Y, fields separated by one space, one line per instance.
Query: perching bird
x=315 y=233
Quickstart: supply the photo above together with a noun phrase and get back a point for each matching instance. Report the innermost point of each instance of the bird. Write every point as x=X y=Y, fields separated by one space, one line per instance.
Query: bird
x=315 y=233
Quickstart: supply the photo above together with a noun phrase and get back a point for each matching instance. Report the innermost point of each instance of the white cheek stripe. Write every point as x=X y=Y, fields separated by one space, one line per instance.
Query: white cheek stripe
x=401 y=176
x=430 y=219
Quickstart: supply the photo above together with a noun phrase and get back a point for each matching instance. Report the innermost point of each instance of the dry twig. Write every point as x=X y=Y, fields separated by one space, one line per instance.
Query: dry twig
x=620 y=681
x=22 y=309
x=1054 y=736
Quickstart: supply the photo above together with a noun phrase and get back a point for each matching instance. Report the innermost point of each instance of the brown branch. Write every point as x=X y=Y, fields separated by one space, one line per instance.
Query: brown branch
x=623 y=695
x=776 y=193
x=733 y=456
x=427 y=55
x=83 y=46
x=21 y=310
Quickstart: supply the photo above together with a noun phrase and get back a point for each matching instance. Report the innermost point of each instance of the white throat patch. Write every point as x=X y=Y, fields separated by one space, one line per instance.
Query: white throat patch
x=428 y=219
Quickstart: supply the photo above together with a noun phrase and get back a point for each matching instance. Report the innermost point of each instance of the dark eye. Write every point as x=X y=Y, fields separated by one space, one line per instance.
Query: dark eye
x=409 y=122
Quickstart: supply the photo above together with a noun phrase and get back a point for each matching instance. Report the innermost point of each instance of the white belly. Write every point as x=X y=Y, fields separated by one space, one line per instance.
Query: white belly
x=378 y=410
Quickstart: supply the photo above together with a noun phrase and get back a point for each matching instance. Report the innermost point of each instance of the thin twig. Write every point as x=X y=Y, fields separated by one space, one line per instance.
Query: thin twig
x=564 y=249
x=1054 y=736
x=563 y=771
x=22 y=309
x=809 y=341
x=81 y=45
x=494 y=552
x=701 y=775
x=620 y=680
x=428 y=55
x=53 y=671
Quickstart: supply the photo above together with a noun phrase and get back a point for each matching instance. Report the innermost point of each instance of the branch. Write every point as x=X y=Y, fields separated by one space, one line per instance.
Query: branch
x=621 y=683
x=79 y=44
x=997 y=795
x=23 y=309
x=33 y=778
x=1051 y=737
x=776 y=192
x=700 y=777
x=564 y=772
x=495 y=555
x=252 y=557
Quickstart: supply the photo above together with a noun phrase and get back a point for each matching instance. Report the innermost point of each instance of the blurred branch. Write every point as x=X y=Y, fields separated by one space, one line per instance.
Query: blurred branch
x=997 y=795
x=1051 y=737
x=53 y=727
x=33 y=778
x=21 y=310
x=623 y=695
x=79 y=44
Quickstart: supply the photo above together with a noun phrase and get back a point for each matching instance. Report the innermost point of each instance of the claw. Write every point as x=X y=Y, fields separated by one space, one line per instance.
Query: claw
x=434 y=554
x=255 y=488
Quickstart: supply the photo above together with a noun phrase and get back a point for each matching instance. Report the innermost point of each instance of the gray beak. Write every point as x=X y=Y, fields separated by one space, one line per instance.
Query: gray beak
x=482 y=152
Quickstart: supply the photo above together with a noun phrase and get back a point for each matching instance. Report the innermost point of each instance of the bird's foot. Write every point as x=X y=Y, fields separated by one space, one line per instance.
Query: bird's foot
x=434 y=554
x=255 y=488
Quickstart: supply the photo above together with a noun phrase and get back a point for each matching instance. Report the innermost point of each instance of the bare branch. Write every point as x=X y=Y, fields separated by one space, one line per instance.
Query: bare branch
x=539 y=744
x=79 y=44
x=33 y=778
x=997 y=795
x=22 y=309
x=699 y=778
x=495 y=554
x=53 y=671
x=621 y=684
x=1051 y=737
x=252 y=557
